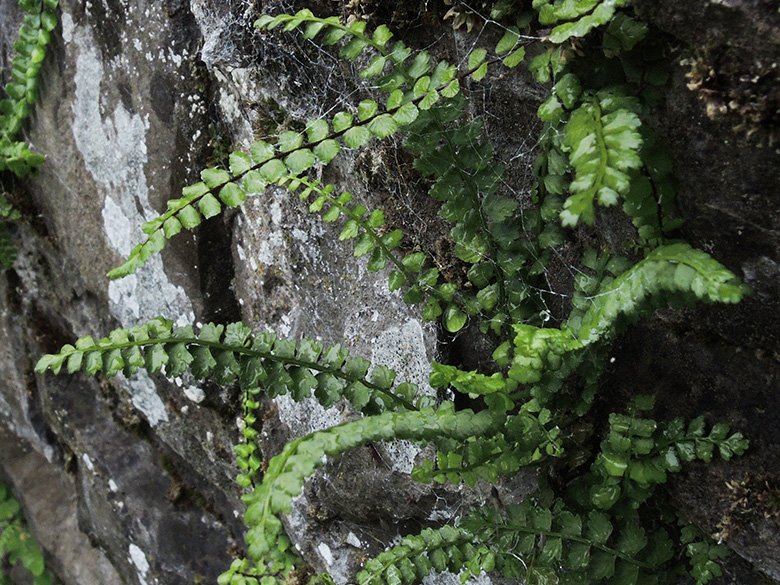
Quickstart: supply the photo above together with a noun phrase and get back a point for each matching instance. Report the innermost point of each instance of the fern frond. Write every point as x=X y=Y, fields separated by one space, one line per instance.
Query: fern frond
x=299 y=459
x=411 y=270
x=580 y=16
x=280 y=366
x=525 y=440
x=544 y=541
x=17 y=546
x=22 y=90
x=246 y=452
x=643 y=451
x=443 y=80
x=454 y=155
x=447 y=549
x=704 y=555
x=267 y=165
x=7 y=211
x=673 y=273
x=603 y=144
x=412 y=88
x=543 y=358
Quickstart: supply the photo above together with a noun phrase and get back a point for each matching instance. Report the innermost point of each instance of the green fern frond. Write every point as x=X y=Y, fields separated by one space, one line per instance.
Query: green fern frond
x=300 y=458
x=543 y=358
x=674 y=273
x=246 y=452
x=7 y=211
x=447 y=549
x=579 y=16
x=22 y=90
x=412 y=87
x=410 y=270
x=280 y=366
x=542 y=541
x=603 y=144
x=703 y=554
x=17 y=546
x=526 y=439
x=644 y=451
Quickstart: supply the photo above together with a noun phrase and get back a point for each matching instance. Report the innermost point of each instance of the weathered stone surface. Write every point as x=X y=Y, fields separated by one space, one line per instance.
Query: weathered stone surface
x=136 y=96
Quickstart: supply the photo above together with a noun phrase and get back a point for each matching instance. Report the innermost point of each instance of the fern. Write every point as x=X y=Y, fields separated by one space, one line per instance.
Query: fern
x=601 y=525
x=445 y=549
x=544 y=358
x=234 y=353
x=676 y=273
x=22 y=91
x=365 y=231
x=16 y=543
x=299 y=459
x=579 y=17
x=416 y=88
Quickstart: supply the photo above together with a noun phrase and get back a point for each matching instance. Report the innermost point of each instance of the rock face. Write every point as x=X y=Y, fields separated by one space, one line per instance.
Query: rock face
x=131 y=481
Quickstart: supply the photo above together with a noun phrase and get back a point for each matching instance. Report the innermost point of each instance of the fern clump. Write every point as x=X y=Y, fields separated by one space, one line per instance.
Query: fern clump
x=17 y=546
x=601 y=523
x=22 y=91
x=21 y=94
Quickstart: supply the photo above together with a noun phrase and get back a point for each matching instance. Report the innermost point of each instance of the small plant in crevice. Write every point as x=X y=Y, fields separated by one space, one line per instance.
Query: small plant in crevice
x=599 y=521
x=21 y=93
x=17 y=546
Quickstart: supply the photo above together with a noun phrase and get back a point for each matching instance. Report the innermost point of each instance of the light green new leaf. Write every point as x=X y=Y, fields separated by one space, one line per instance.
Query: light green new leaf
x=209 y=206
x=301 y=160
x=327 y=150
x=508 y=41
x=239 y=163
x=367 y=109
x=383 y=126
x=357 y=136
x=317 y=130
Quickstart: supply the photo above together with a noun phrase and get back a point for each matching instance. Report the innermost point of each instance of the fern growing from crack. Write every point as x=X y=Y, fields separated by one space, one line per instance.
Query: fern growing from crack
x=17 y=546
x=22 y=93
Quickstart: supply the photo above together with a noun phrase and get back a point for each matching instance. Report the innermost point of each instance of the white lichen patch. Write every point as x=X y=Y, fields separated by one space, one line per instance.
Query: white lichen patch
x=306 y=416
x=325 y=553
x=402 y=349
x=66 y=20
x=353 y=540
x=143 y=395
x=88 y=462
x=138 y=558
x=197 y=395
x=115 y=154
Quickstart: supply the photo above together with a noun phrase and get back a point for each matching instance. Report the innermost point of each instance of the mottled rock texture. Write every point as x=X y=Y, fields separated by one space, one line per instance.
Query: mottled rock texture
x=131 y=481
